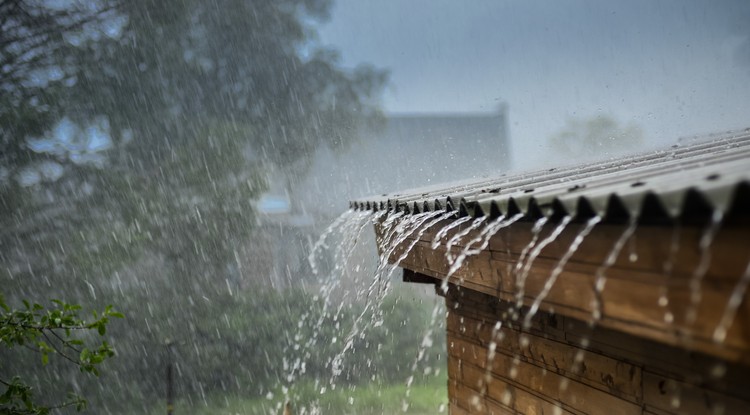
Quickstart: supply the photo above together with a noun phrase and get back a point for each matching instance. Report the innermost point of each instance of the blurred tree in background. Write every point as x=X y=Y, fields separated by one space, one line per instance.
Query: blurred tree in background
x=135 y=137
x=592 y=137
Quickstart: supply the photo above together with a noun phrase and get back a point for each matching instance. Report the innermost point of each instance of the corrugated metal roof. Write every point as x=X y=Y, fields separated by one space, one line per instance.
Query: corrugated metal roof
x=688 y=182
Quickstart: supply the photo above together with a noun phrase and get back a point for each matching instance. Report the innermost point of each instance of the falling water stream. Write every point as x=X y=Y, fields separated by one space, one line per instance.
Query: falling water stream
x=582 y=234
x=735 y=299
x=520 y=280
x=600 y=278
x=537 y=249
x=459 y=236
x=400 y=233
x=443 y=232
x=397 y=235
x=349 y=226
x=669 y=264
x=696 y=280
x=426 y=343
x=483 y=236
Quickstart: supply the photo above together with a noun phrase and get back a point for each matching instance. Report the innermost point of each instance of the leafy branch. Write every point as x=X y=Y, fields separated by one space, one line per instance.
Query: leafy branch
x=60 y=331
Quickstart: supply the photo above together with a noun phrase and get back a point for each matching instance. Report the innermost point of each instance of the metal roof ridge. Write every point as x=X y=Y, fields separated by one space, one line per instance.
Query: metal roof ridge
x=654 y=186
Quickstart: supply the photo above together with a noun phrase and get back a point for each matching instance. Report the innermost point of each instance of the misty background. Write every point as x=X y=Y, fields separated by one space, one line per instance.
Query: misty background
x=180 y=159
x=674 y=68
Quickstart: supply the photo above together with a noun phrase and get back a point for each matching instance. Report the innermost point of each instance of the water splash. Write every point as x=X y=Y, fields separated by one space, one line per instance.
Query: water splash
x=350 y=226
x=378 y=289
x=421 y=353
x=402 y=231
x=560 y=265
x=416 y=223
x=600 y=279
x=730 y=311
x=320 y=244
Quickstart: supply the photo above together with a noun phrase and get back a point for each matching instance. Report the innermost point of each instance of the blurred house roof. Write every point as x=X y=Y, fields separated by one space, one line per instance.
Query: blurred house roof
x=686 y=181
x=410 y=150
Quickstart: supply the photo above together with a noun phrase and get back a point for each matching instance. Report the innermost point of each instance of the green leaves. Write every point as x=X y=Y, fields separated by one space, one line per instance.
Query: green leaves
x=18 y=399
x=90 y=358
x=45 y=349
x=57 y=331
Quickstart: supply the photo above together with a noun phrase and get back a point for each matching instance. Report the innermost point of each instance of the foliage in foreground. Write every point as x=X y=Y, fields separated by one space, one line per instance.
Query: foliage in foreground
x=56 y=331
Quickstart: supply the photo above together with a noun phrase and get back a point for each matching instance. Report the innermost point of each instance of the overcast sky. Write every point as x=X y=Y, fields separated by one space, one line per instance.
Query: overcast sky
x=673 y=67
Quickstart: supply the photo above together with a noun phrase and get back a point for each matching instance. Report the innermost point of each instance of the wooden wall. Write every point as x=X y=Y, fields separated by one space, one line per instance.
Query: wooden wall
x=635 y=283
x=562 y=366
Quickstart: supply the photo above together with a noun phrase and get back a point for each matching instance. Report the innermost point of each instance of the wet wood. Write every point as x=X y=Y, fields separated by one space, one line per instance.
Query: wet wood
x=555 y=389
x=610 y=375
x=649 y=291
x=665 y=395
x=651 y=352
x=560 y=365
x=457 y=410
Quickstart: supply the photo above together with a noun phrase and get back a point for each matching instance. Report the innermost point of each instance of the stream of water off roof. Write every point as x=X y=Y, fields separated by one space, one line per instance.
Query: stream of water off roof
x=399 y=233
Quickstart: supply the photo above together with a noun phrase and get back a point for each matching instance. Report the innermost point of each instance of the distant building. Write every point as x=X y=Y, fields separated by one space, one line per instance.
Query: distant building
x=411 y=150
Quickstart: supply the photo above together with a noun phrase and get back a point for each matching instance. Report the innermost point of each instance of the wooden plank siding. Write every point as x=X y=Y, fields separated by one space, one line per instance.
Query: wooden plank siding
x=544 y=368
x=650 y=314
x=635 y=283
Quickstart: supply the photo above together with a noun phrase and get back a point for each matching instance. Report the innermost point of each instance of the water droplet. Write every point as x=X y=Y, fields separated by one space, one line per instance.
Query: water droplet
x=720 y=334
x=564 y=384
x=718 y=409
x=507 y=397
x=475 y=402
x=524 y=342
x=718 y=370
x=675 y=402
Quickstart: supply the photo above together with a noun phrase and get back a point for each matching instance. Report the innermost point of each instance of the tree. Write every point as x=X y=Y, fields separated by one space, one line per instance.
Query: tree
x=32 y=78
x=190 y=103
x=596 y=136
x=53 y=331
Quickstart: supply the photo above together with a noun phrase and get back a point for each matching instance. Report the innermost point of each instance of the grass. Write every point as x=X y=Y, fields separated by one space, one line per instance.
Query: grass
x=426 y=397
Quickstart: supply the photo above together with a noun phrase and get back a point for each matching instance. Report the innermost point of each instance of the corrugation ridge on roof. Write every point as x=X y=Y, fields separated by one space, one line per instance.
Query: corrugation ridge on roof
x=700 y=149
x=712 y=168
x=649 y=177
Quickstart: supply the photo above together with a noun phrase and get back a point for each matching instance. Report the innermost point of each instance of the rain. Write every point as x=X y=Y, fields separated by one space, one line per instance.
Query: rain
x=373 y=207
